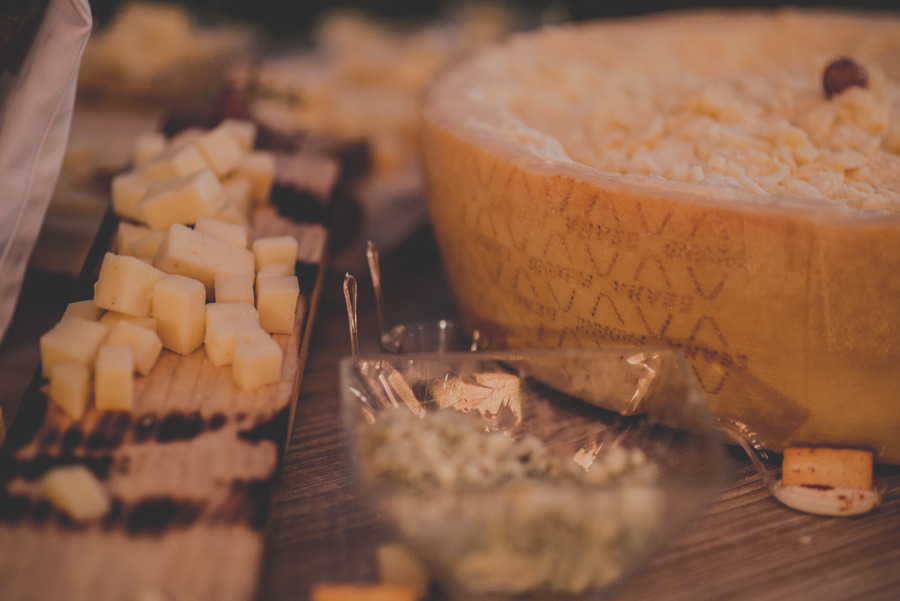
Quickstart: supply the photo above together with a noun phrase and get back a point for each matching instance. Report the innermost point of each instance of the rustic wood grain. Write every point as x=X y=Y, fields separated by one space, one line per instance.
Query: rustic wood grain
x=190 y=472
x=746 y=546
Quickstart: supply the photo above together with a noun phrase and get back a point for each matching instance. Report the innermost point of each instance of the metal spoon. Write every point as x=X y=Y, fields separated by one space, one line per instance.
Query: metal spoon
x=350 y=299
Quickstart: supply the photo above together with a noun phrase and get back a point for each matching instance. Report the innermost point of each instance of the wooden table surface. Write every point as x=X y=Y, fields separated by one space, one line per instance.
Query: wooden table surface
x=745 y=546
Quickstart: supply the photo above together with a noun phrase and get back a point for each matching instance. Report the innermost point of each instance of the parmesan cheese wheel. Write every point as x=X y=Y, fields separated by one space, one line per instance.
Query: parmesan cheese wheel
x=682 y=179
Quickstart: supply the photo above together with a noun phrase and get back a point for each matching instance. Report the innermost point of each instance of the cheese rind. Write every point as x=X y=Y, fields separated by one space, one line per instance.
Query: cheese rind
x=69 y=386
x=179 y=306
x=200 y=256
x=114 y=378
x=76 y=491
x=181 y=200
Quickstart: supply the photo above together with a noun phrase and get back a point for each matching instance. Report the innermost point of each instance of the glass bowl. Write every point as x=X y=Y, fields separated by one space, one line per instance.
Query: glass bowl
x=531 y=474
x=440 y=336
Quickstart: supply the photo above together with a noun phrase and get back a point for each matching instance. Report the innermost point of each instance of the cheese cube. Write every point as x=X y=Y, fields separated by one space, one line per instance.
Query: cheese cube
x=85 y=309
x=73 y=338
x=111 y=318
x=148 y=146
x=827 y=467
x=277 y=303
x=221 y=149
x=147 y=245
x=234 y=288
x=201 y=257
x=114 y=378
x=231 y=213
x=257 y=359
x=239 y=190
x=179 y=306
x=229 y=232
x=127 y=233
x=186 y=137
x=223 y=321
x=259 y=167
x=273 y=270
x=175 y=162
x=125 y=284
x=181 y=200
x=76 y=491
x=244 y=131
x=145 y=344
x=127 y=190
x=69 y=386
x=275 y=249
x=398 y=565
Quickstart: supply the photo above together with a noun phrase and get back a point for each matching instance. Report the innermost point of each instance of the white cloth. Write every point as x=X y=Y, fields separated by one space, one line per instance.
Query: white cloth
x=35 y=115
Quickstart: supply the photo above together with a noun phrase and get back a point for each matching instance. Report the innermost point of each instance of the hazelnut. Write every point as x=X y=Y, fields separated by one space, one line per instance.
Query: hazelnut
x=842 y=73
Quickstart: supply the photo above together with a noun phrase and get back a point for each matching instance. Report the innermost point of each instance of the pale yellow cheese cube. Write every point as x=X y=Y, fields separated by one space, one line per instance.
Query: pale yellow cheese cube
x=221 y=149
x=277 y=303
x=72 y=339
x=186 y=137
x=85 y=309
x=179 y=306
x=257 y=359
x=259 y=167
x=201 y=257
x=231 y=213
x=398 y=565
x=127 y=190
x=273 y=270
x=181 y=200
x=111 y=318
x=114 y=378
x=175 y=162
x=76 y=491
x=238 y=191
x=147 y=146
x=125 y=284
x=147 y=245
x=243 y=130
x=126 y=233
x=145 y=344
x=69 y=386
x=274 y=249
x=223 y=321
x=229 y=232
x=234 y=288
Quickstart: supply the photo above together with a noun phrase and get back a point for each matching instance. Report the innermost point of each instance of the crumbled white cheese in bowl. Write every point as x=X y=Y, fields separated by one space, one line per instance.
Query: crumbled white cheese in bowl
x=743 y=112
x=506 y=485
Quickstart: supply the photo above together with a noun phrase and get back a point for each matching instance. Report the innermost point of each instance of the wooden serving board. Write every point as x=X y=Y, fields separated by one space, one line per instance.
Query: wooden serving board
x=190 y=470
